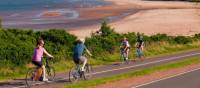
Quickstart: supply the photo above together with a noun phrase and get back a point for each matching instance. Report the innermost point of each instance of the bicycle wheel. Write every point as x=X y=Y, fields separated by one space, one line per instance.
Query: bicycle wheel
x=50 y=73
x=29 y=78
x=73 y=75
x=87 y=74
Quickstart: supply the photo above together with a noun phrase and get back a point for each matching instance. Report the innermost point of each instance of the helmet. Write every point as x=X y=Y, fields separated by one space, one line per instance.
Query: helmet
x=81 y=40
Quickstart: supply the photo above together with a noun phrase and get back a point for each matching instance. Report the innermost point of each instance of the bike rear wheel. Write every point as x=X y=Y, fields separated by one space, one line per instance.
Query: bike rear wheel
x=30 y=77
x=74 y=75
x=87 y=74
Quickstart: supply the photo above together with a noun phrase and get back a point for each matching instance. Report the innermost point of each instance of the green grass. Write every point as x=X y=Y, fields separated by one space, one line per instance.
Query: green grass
x=12 y=73
x=92 y=83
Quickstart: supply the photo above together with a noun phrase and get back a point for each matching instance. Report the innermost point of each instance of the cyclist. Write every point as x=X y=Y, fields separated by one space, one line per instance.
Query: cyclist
x=78 y=57
x=125 y=47
x=140 y=47
x=37 y=57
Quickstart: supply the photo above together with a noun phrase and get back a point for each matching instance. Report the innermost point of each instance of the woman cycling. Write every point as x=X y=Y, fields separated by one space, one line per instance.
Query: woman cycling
x=37 y=57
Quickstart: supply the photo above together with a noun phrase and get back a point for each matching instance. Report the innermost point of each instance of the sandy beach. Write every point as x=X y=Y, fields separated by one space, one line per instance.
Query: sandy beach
x=172 y=17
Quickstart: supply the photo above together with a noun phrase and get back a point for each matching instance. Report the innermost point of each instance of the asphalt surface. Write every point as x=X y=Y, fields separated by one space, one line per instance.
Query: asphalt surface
x=108 y=70
x=186 y=80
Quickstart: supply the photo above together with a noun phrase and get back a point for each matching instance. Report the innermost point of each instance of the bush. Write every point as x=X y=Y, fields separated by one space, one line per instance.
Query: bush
x=17 y=46
x=182 y=40
x=160 y=37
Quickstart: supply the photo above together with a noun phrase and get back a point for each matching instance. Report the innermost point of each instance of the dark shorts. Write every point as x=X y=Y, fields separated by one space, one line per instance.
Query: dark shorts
x=79 y=60
x=37 y=63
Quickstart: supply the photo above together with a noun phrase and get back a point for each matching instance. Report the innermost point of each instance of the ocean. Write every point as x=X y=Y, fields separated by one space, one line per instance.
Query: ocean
x=24 y=5
x=30 y=13
x=59 y=14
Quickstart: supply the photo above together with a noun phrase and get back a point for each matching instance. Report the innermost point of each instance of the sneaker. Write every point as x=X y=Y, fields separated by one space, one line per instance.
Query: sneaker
x=82 y=69
x=45 y=80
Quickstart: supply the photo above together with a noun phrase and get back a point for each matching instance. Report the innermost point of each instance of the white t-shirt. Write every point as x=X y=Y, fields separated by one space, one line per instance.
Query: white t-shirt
x=125 y=43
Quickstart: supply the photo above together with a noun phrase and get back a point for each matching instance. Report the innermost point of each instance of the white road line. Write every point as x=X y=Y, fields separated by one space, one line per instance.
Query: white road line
x=172 y=58
x=166 y=78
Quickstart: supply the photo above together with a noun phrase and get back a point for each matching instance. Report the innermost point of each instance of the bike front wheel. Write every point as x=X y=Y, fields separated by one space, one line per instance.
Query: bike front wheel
x=50 y=73
x=88 y=72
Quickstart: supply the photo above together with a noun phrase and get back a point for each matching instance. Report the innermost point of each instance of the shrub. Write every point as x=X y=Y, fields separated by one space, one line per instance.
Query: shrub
x=17 y=45
x=182 y=40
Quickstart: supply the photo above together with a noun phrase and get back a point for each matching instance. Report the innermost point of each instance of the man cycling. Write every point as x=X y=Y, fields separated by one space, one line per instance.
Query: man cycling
x=140 y=47
x=78 y=54
x=125 y=47
x=37 y=58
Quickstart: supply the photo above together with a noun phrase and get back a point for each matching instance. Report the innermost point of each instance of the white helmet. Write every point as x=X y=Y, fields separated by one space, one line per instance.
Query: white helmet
x=82 y=40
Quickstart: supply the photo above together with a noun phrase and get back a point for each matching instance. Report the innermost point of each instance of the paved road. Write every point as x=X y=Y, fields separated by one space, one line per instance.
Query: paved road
x=186 y=80
x=109 y=70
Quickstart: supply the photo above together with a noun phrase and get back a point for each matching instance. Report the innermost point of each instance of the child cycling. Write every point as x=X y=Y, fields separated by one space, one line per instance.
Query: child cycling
x=37 y=57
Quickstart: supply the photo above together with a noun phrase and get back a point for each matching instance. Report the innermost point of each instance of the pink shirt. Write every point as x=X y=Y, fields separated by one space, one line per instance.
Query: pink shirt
x=38 y=53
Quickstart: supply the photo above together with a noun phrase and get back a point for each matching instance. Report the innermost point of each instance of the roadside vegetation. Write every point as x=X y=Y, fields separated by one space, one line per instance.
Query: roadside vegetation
x=17 y=47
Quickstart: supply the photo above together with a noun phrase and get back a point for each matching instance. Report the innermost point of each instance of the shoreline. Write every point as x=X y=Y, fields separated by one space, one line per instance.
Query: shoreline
x=57 y=18
x=176 y=18
x=148 y=17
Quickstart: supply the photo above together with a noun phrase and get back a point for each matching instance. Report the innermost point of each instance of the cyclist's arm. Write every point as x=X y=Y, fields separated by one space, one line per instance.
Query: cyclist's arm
x=142 y=46
x=136 y=44
x=49 y=55
x=88 y=52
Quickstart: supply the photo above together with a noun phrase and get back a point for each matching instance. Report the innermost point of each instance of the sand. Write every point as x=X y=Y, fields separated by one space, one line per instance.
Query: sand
x=172 y=18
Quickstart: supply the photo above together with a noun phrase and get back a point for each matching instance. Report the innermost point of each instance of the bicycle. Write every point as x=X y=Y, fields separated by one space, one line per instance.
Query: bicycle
x=75 y=73
x=123 y=56
x=33 y=77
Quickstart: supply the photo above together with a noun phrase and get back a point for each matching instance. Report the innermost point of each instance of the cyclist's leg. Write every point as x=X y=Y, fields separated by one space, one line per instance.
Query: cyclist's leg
x=141 y=55
x=38 y=71
x=44 y=73
x=84 y=61
x=40 y=65
x=138 y=53
x=127 y=53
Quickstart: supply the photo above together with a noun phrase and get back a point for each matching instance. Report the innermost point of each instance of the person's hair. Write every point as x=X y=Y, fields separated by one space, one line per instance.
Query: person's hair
x=39 y=41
